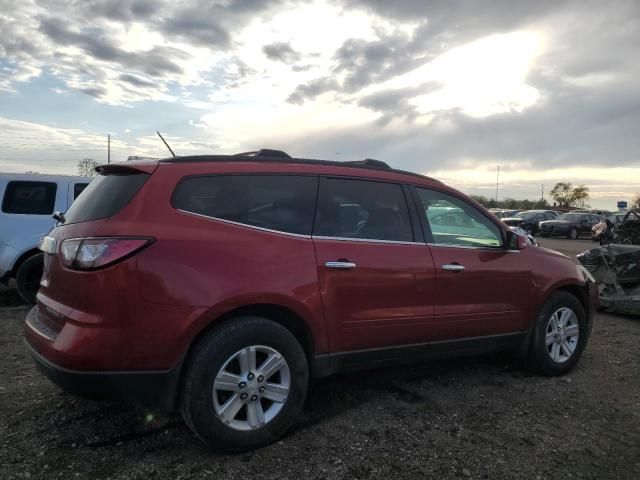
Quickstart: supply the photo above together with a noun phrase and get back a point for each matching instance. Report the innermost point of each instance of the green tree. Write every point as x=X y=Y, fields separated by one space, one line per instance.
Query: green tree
x=566 y=196
x=87 y=167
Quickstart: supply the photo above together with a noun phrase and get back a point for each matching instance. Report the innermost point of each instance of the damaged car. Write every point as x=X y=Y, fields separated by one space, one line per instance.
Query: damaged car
x=616 y=269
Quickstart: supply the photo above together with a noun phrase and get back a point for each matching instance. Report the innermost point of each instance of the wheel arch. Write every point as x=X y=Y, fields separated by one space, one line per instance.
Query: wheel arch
x=22 y=258
x=277 y=313
x=577 y=290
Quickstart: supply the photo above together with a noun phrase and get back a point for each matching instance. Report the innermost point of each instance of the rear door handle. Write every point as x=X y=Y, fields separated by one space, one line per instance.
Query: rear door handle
x=453 y=267
x=340 y=265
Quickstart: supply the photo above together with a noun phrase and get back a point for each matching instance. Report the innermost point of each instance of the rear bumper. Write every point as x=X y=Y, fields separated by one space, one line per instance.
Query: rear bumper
x=154 y=389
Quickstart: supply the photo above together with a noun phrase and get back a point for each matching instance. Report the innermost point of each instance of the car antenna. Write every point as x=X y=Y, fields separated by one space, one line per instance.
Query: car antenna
x=166 y=144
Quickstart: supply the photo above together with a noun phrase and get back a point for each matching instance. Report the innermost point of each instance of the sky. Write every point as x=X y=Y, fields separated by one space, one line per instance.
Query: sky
x=547 y=91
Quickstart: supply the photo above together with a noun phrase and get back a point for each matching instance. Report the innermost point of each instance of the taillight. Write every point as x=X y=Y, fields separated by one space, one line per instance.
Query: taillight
x=94 y=253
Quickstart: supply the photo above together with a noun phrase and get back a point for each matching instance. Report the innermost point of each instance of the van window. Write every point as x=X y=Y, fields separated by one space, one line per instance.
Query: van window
x=277 y=202
x=30 y=198
x=105 y=196
x=78 y=188
x=362 y=209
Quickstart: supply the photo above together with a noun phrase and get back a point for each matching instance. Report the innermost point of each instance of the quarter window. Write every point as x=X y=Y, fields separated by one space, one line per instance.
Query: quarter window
x=78 y=188
x=278 y=202
x=454 y=222
x=365 y=210
x=30 y=198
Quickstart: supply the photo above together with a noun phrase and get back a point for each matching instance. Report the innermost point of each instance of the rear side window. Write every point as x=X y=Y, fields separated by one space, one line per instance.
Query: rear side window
x=277 y=202
x=78 y=188
x=105 y=196
x=30 y=198
x=365 y=210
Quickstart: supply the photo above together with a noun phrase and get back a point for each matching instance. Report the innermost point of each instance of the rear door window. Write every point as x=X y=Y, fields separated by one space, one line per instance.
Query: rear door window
x=362 y=209
x=29 y=198
x=284 y=203
x=105 y=196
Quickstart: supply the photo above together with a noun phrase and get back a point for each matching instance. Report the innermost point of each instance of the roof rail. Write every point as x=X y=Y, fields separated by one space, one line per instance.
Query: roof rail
x=369 y=163
x=278 y=156
x=264 y=152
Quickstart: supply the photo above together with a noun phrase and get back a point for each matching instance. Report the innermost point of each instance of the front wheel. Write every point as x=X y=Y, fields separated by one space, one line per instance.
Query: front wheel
x=28 y=277
x=244 y=385
x=573 y=234
x=559 y=335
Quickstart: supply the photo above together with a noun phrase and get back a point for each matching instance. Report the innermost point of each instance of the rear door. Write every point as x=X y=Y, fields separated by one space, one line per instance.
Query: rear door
x=481 y=287
x=375 y=273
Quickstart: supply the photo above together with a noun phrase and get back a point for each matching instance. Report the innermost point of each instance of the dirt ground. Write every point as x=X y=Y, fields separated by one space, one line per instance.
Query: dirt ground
x=483 y=417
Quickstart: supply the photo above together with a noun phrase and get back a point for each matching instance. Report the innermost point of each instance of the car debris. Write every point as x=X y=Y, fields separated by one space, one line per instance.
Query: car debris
x=628 y=231
x=616 y=269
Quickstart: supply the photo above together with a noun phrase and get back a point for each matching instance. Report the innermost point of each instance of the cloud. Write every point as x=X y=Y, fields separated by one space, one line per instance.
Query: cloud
x=281 y=52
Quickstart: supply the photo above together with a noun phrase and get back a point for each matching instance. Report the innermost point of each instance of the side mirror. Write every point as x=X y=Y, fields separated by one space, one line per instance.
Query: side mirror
x=515 y=241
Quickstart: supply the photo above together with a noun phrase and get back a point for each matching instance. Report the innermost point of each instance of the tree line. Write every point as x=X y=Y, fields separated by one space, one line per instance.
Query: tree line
x=564 y=195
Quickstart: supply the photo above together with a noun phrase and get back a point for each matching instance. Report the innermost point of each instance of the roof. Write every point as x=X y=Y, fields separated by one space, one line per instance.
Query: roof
x=278 y=156
x=30 y=176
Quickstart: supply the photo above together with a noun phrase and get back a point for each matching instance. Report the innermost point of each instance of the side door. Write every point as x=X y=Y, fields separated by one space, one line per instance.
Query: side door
x=482 y=288
x=375 y=273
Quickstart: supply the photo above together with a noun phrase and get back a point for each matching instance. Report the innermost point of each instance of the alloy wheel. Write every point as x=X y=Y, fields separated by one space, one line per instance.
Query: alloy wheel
x=562 y=334
x=251 y=388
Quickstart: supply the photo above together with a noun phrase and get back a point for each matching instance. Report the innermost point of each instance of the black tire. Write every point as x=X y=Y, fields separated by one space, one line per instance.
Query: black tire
x=28 y=277
x=539 y=357
x=207 y=358
x=573 y=234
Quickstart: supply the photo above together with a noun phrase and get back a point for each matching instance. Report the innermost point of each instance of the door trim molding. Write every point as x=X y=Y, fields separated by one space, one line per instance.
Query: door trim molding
x=330 y=363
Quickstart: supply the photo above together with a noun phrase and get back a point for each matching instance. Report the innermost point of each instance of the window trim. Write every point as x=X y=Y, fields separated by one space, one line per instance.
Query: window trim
x=240 y=224
x=430 y=241
x=5 y=201
x=322 y=195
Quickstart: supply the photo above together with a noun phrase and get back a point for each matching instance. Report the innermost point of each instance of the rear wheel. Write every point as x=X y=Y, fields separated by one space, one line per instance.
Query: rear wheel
x=28 y=277
x=559 y=335
x=244 y=384
x=573 y=234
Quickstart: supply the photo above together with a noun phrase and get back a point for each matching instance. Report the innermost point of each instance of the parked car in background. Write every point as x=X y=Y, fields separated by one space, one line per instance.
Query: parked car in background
x=502 y=213
x=602 y=213
x=530 y=220
x=28 y=202
x=571 y=225
x=219 y=285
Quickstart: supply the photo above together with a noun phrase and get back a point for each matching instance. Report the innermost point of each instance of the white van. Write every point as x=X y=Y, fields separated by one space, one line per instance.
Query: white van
x=28 y=203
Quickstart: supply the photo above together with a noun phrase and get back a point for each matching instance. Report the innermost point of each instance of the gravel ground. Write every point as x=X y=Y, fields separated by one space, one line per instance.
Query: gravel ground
x=483 y=417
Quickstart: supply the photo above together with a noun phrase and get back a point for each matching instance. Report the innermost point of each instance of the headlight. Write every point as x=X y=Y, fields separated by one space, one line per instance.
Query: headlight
x=585 y=273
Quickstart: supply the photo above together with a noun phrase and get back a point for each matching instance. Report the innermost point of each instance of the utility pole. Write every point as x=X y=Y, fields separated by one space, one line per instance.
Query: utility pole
x=108 y=148
x=497 y=183
x=542 y=192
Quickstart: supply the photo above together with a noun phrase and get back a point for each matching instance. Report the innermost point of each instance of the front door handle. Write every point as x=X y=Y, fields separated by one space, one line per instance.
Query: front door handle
x=340 y=265
x=453 y=267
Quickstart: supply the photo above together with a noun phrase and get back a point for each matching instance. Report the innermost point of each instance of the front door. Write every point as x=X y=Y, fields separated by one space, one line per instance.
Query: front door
x=481 y=287
x=376 y=280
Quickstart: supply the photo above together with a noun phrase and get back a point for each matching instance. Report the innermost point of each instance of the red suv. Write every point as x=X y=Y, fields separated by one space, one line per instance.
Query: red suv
x=220 y=285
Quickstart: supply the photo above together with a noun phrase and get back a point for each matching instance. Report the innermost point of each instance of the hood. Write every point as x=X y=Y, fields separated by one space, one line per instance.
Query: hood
x=513 y=220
